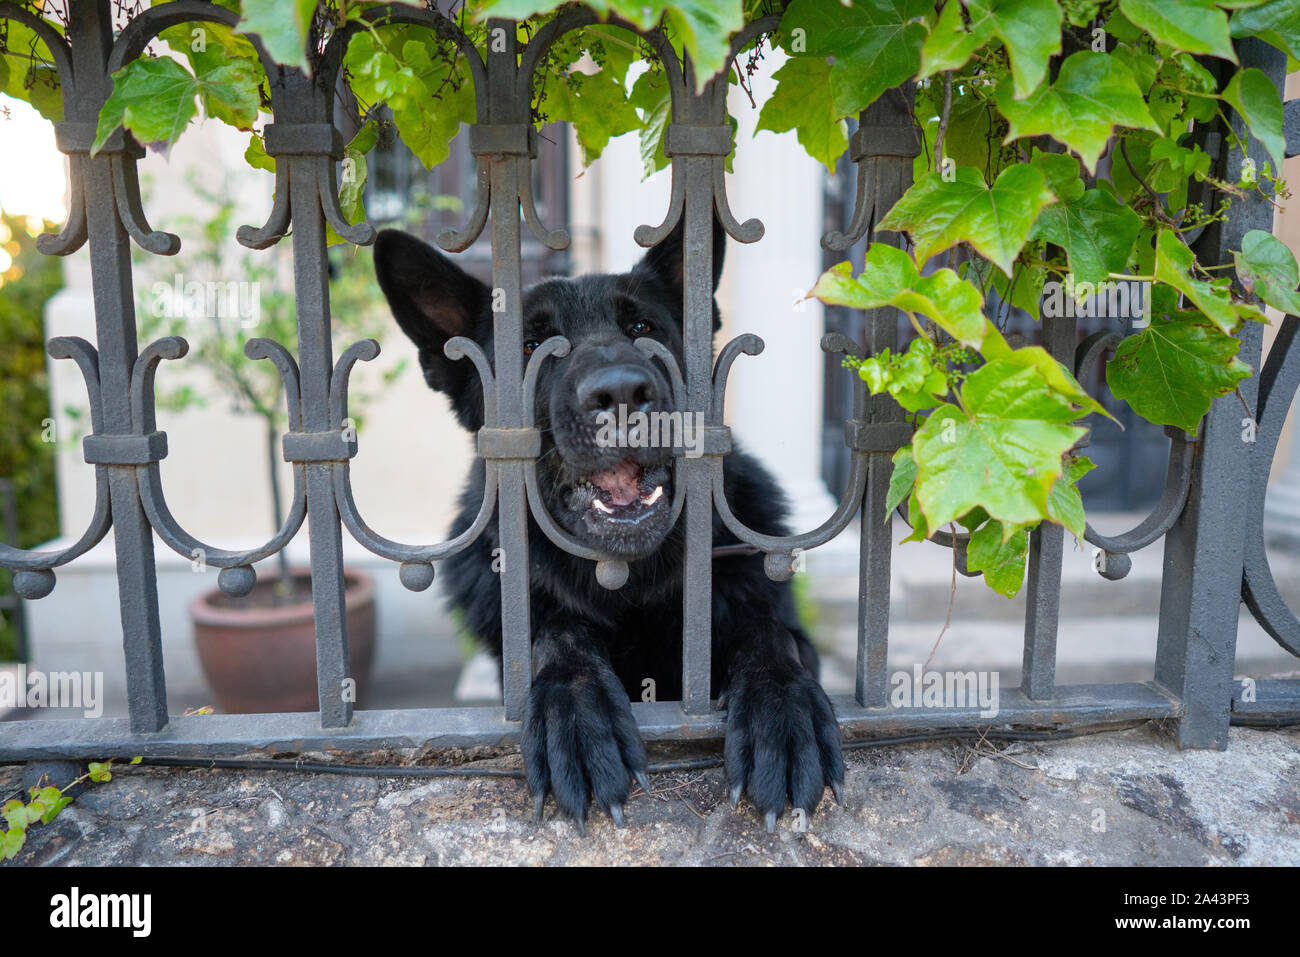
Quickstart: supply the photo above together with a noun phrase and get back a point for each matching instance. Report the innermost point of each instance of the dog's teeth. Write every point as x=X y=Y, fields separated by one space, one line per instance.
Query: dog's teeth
x=601 y=506
x=654 y=496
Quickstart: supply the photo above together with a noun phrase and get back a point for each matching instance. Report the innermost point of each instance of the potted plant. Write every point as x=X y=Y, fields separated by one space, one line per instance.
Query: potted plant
x=258 y=651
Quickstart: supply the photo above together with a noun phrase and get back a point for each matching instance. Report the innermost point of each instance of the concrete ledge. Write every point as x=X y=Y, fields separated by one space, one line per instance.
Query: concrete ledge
x=1121 y=798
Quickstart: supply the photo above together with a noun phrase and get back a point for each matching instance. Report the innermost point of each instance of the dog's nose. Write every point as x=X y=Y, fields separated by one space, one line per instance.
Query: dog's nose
x=604 y=390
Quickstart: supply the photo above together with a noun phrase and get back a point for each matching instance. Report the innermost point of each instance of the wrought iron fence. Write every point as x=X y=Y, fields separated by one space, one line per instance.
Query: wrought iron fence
x=1210 y=514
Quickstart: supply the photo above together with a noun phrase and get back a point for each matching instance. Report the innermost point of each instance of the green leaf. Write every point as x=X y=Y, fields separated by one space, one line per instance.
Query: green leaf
x=1065 y=504
x=951 y=43
x=152 y=97
x=1172 y=166
x=16 y=814
x=523 y=9
x=652 y=99
x=917 y=378
x=916 y=518
x=1173 y=265
x=352 y=183
x=1023 y=289
x=1170 y=371
x=802 y=102
x=1092 y=95
x=24 y=77
x=876 y=44
x=1276 y=22
x=1061 y=170
x=973 y=519
x=1000 y=450
x=974 y=129
x=1197 y=26
x=954 y=304
x=1267 y=268
x=901 y=480
x=1030 y=30
x=229 y=92
x=11 y=843
x=1002 y=562
x=54 y=807
x=996 y=349
x=995 y=221
x=886 y=272
x=283 y=26
x=1183 y=90
x=423 y=83
x=890 y=278
x=212 y=45
x=705 y=28
x=1096 y=231
x=46 y=92
x=32 y=82
x=155 y=98
x=256 y=156
x=1253 y=95
x=596 y=104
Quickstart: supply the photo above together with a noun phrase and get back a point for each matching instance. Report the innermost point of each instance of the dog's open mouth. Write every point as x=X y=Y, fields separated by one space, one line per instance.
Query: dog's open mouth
x=627 y=493
x=625 y=508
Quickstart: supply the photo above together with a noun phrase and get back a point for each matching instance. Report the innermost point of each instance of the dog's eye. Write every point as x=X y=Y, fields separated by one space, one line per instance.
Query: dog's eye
x=641 y=328
x=531 y=346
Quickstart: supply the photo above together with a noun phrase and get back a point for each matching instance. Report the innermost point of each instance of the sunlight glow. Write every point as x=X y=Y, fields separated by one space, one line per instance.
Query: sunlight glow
x=33 y=182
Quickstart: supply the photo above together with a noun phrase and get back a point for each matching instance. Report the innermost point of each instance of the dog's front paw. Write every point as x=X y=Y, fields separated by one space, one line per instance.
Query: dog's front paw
x=580 y=740
x=782 y=742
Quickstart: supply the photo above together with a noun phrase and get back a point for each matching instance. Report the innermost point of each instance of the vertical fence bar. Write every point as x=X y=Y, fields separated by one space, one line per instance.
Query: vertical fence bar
x=1046 y=547
x=512 y=508
x=1200 y=593
x=316 y=362
x=697 y=473
x=887 y=121
x=90 y=32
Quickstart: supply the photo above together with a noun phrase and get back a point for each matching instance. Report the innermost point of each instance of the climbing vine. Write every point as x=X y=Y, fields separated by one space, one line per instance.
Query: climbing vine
x=1063 y=153
x=44 y=804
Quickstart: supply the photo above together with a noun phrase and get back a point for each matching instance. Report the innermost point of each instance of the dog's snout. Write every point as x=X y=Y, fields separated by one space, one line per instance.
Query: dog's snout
x=607 y=388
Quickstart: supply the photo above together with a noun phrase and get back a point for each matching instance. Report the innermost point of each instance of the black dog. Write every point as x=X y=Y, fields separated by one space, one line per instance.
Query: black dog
x=593 y=648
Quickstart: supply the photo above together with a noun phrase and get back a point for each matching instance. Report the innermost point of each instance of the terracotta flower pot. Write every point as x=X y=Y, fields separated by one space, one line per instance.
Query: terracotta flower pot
x=260 y=657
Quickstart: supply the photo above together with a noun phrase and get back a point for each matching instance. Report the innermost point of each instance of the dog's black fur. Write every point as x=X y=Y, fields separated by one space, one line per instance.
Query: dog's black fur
x=593 y=648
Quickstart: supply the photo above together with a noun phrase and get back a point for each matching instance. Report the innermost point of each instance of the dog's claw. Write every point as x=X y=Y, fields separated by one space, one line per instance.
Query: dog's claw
x=643 y=780
x=580 y=822
x=734 y=797
x=721 y=704
x=769 y=821
x=616 y=814
x=538 y=803
x=838 y=790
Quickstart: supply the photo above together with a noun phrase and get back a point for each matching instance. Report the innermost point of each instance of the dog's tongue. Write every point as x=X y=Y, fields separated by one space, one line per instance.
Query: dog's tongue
x=619 y=484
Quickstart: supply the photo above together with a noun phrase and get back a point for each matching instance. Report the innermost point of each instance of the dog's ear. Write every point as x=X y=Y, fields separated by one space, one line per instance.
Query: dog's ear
x=433 y=300
x=666 y=261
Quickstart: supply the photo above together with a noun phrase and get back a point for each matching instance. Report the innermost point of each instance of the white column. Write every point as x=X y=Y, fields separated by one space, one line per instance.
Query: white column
x=774 y=400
